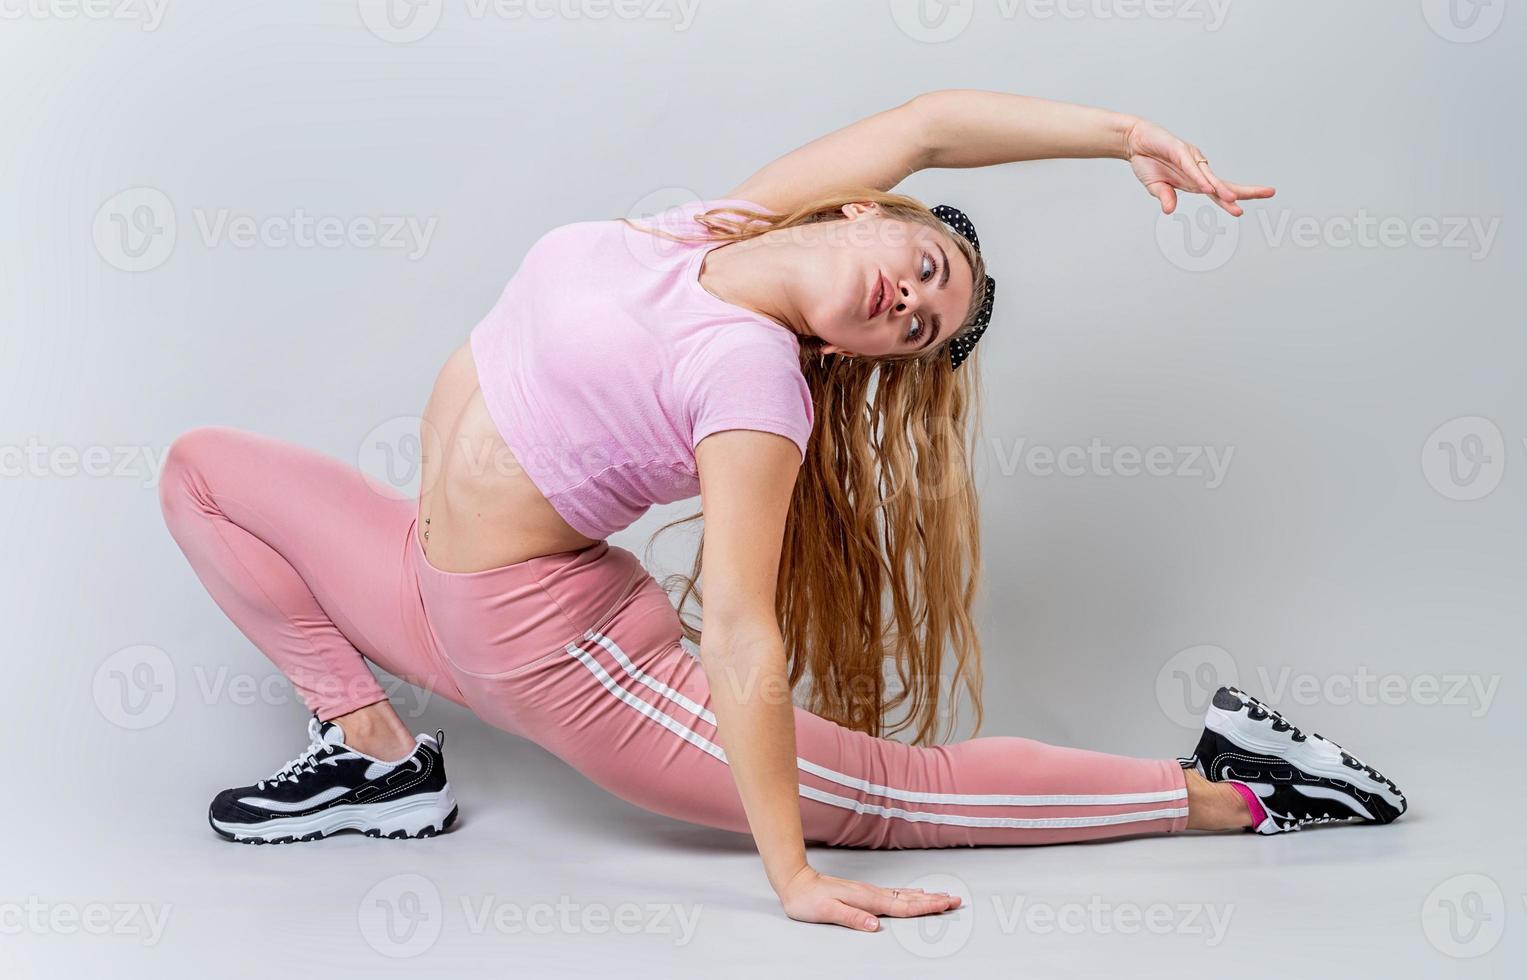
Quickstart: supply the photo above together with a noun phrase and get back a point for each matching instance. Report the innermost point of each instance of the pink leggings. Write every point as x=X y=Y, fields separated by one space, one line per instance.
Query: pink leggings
x=321 y=568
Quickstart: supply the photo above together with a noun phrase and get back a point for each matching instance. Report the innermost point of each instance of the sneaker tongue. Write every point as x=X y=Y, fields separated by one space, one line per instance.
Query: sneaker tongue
x=331 y=733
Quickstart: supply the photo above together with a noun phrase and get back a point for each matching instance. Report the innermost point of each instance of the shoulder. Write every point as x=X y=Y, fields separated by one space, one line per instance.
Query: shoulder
x=749 y=377
x=683 y=218
x=748 y=349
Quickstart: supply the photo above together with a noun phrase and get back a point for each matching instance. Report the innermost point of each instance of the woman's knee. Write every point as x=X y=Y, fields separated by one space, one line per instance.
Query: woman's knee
x=182 y=472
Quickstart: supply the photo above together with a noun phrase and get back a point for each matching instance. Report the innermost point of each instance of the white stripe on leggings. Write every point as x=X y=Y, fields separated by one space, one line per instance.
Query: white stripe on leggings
x=891 y=792
x=809 y=792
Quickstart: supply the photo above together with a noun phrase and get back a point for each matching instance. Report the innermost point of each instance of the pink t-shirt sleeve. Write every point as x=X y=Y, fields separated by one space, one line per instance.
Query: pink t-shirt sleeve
x=752 y=385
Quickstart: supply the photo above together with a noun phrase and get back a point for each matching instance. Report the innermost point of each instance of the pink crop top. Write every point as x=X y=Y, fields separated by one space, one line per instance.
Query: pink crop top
x=605 y=362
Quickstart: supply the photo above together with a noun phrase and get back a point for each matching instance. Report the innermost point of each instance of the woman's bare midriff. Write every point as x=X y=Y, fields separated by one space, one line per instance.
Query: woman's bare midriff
x=478 y=509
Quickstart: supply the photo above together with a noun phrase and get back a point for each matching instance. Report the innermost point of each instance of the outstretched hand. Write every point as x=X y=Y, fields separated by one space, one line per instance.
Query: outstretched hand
x=1166 y=165
x=814 y=897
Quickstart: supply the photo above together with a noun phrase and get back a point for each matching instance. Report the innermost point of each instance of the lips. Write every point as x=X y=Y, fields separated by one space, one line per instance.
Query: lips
x=880 y=297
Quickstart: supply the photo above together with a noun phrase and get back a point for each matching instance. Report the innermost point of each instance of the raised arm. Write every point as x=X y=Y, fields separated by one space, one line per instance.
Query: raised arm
x=955 y=128
x=746 y=478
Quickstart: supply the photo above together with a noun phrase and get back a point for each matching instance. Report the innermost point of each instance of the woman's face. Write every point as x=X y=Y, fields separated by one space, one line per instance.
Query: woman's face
x=874 y=285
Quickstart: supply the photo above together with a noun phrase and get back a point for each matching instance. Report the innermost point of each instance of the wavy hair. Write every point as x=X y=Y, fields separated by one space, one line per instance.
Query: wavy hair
x=881 y=558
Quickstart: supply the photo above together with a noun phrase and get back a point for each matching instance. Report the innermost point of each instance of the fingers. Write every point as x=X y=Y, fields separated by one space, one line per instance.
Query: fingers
x=905 y=906
x=857 y=905
x=1226 y=192
x=906 y=902
x=1173 y=164
x=1197 y=173
x=1222 y=193
x=1227 y=205
x=1202 y=180
x=1163 y=192
x=1249 y=192
x=843 y=914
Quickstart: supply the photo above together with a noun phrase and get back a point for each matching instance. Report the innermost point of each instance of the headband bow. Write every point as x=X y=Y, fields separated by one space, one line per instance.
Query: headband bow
x=959 y=347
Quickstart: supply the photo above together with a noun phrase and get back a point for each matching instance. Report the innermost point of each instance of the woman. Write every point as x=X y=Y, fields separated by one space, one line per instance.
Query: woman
x=794 y=354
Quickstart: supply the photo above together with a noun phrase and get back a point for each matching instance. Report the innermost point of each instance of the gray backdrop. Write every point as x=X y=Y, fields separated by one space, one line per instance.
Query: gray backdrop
x=1291 y=451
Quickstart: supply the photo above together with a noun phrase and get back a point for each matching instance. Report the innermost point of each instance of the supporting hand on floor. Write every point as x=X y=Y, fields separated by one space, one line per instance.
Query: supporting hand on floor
x=813 y=897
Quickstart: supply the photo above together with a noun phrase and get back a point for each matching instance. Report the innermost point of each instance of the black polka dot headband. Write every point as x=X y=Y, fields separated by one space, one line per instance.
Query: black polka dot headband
x=960 y=346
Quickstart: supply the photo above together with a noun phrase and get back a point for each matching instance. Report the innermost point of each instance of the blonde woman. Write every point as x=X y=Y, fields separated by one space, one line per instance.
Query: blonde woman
x=797 y=354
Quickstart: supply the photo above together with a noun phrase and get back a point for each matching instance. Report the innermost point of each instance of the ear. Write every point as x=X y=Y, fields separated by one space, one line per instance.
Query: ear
x=834 y=349
x=860 y=209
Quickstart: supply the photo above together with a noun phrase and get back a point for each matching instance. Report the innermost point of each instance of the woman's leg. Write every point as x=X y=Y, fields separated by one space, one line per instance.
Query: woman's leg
x=629 y=707
x=310 y=559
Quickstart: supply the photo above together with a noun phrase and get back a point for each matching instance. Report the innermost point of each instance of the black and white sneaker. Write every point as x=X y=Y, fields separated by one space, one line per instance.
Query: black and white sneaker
x=331 y=787
x=1300 y=779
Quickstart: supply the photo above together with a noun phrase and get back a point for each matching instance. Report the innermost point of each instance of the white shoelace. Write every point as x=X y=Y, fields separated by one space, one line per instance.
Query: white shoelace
x=305 y=761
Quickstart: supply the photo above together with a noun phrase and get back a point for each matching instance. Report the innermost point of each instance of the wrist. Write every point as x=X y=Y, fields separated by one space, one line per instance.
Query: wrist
x=781 y=880
x=1122 y=129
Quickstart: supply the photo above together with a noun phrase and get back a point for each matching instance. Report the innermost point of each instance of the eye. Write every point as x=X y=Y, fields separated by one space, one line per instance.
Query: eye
x=928 y=268
x=916 y=330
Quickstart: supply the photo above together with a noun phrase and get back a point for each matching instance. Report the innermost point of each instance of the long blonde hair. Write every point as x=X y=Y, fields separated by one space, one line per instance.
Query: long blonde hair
x=881 y=556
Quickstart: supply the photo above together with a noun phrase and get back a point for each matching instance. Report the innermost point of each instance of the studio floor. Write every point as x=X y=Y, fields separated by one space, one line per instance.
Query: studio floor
x=546 y=875
x=1335 y=376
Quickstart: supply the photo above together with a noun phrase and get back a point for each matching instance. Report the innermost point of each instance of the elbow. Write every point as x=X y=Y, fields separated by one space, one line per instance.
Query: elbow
x=746 y=641
x=921 y=117
x=743 y=628
x=746 y=667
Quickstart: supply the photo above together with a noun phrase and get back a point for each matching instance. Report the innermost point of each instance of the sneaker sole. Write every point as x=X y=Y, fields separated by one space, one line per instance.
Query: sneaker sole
x=424 y=815
x=1316 y=755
